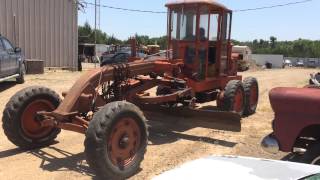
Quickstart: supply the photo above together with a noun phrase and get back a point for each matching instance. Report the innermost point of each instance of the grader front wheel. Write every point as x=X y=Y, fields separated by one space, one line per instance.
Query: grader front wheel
x=116 y=141
x=232 y=98
x=20 y=122
x=251 y=89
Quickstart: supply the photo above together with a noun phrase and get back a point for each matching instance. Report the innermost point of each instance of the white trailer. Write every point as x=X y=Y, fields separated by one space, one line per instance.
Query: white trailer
x=244 y=51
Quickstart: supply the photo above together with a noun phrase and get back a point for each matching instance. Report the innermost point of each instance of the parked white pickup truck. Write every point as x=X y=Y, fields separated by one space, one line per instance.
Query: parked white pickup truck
x=242 y=168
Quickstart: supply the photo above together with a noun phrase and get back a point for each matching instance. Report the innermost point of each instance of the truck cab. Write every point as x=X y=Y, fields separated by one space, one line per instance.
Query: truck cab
x=11 y=61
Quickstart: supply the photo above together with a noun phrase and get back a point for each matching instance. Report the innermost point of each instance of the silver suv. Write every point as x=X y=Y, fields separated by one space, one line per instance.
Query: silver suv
x=11 y=62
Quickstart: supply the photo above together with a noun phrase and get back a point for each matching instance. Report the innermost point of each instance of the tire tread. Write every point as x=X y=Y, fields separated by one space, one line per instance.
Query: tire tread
x=11 y=117
x=95 y=141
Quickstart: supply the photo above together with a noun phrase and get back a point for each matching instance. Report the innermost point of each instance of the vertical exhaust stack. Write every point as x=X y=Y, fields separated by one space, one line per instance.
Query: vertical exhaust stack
x=133 y=42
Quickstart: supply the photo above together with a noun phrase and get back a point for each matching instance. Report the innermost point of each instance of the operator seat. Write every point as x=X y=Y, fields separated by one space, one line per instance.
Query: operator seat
x=212 y=61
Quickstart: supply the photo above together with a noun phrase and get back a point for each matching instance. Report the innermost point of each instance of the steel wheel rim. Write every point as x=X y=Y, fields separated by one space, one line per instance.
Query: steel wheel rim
x=124 y=142
x=238 y=101
x=30 y=125
x=253 y=96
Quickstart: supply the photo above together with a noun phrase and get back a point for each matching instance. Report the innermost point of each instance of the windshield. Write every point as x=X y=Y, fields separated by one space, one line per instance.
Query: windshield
x=109 y=57
x=312 y=177
x=184 y=24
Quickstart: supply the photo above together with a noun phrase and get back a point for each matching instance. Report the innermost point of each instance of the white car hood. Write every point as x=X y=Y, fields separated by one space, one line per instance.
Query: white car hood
x=242 y=168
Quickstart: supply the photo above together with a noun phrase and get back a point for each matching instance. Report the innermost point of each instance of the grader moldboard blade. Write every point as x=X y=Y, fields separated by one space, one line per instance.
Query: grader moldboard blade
x=201 y=117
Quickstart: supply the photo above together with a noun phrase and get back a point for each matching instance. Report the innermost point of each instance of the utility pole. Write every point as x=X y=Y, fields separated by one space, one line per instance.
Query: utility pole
x=95 y=33
x=98 y=14
x=96 y=25
x=95 y=22
x=96 y=19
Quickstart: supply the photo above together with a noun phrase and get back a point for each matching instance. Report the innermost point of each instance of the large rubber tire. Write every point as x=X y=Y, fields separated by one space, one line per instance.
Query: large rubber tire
x=251 y=89
x=163 y=90
x=312 y=156
x=317 y=77
x=311 y=82
x=233 y=99
x=105 y=139
x=19 y=117
x=312 y=86
x=20 y=79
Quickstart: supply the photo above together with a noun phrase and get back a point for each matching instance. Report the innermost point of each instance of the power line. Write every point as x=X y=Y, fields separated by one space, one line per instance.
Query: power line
x=237 y=10
x=126 y=9
x=273 y=6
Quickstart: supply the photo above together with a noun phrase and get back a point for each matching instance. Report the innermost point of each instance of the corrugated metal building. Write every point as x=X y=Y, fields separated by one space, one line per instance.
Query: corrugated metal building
x=44 y=29
x=275 y=59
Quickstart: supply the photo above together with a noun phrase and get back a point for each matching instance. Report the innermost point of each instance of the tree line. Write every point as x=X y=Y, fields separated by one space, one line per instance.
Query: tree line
x=87 y=34
x=297 y=48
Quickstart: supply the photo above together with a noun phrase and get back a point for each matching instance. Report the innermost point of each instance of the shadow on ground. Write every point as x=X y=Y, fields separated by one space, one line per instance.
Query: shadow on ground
x=11 y=152
x=68 y=161
x=56 y=160
x=6 y=85
x=169 y=125
x=172 y=130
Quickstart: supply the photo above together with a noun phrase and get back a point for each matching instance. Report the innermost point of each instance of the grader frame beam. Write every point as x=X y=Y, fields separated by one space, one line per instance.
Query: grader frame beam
x=83 y=94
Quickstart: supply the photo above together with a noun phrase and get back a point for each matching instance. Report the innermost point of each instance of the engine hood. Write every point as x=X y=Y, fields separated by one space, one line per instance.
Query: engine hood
x=295 y=100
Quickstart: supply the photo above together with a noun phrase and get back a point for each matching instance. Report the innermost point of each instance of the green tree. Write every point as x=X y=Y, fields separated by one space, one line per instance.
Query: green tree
x=87 y=35
x=273 y=41
x=297 y=48
x=113 y=40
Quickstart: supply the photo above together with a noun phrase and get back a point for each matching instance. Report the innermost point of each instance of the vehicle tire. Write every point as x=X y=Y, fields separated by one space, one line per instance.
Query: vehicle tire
x=163 y=90
x=20 y=79
x=116 y=140
x=292 y=157
x=219 y=100
x=312 y=86
x=312 y=156
x=317 y=77
x=251 y=89
x=19 y=117
x=233 y=97
x=311 y=82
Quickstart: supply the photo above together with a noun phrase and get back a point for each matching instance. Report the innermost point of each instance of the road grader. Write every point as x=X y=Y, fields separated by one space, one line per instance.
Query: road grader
x=107 y=104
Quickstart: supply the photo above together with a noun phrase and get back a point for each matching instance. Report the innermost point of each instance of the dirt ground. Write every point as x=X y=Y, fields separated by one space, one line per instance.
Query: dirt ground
x=170 y=145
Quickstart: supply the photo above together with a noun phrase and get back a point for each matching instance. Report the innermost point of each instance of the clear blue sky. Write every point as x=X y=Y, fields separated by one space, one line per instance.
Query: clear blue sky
x=286 y=23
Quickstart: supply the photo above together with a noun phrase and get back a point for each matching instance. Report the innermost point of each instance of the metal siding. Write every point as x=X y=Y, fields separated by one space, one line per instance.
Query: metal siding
x=262 y=59
x=75 y=36
x=45 y=29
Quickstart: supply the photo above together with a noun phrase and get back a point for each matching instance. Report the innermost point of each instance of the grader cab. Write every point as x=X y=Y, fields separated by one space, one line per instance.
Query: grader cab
x=200 y=35
x=108 y=104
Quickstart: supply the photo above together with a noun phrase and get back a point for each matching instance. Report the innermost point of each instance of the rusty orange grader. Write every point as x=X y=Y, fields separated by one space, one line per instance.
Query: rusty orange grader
x=107 y=104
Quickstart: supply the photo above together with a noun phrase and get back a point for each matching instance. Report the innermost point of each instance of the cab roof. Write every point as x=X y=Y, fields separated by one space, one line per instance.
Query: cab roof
x=209 y=2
